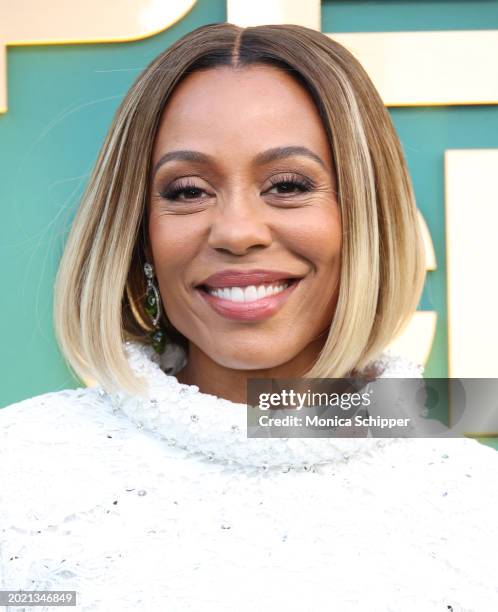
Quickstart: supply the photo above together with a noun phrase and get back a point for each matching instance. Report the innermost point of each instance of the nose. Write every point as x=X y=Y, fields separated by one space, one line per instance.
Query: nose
x=239 y=225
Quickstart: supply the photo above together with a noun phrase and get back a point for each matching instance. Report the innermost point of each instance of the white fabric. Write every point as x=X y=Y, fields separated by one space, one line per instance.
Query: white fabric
x=164 y=504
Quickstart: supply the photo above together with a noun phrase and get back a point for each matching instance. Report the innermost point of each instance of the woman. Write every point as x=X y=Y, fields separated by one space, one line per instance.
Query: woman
x=250 y=215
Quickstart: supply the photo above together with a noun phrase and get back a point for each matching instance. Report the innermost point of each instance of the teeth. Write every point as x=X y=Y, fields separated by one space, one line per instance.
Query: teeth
x=248 y=294
x=261 y=291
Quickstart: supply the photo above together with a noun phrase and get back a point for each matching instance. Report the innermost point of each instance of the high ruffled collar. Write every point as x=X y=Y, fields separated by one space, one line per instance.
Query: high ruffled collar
x=216 y=429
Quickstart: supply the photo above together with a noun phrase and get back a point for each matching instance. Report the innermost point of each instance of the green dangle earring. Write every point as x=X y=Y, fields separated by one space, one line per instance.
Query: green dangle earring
x=152 y=306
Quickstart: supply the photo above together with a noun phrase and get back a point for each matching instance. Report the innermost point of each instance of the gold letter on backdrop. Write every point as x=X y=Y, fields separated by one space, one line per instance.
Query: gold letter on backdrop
x=429 y=68
x=258 y=12
x=472 y=259
x=35 y=22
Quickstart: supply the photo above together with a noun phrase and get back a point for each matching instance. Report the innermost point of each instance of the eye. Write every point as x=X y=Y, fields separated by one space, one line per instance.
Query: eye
x=186 y=187
x=291 y=184
x=186 y=190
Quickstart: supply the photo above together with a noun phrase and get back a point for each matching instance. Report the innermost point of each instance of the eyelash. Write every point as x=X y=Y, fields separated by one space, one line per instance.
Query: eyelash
x=172 y=193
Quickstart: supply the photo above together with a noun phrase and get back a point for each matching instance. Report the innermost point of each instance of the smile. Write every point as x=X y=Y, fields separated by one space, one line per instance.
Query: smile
x=252 y=303
x=252 y=293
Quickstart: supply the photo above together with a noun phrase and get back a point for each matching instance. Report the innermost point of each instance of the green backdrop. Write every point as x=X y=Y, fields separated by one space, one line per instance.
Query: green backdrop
x=61 y=102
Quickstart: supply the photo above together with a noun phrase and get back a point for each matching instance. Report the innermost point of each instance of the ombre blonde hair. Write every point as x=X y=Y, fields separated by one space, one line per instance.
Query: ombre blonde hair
x=100 y=285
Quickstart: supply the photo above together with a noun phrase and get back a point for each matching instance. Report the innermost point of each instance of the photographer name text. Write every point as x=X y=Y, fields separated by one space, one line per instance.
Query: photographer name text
x=266 y=420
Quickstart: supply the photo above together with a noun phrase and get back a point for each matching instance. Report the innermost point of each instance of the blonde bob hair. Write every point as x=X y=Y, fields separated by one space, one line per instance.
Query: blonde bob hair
x=100 y=285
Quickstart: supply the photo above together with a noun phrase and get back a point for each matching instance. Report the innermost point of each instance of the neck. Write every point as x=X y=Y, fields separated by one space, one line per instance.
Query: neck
x=231 y=384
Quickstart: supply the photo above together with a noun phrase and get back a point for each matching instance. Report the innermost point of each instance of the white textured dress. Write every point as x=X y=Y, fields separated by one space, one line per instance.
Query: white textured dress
x=165 y=505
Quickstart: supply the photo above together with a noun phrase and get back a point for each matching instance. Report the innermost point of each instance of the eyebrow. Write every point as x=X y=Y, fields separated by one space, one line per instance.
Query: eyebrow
x=260 y=159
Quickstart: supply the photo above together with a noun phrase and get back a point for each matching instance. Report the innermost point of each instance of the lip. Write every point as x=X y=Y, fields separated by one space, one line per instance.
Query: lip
x=244 y=278
x=249 y=311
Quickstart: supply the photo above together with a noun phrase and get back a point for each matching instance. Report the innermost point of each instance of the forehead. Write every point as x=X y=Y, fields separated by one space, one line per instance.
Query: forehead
x=245 y=109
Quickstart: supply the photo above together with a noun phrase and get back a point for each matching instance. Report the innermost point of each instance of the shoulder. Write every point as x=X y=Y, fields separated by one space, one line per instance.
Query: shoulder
x=43 y=434
x=67 y=459
x=67 y=452
x=53 y=416
x=49 y=402
x=79 y=424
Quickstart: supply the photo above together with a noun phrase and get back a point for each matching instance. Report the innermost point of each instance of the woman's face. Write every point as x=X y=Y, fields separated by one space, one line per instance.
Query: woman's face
x=253 y=188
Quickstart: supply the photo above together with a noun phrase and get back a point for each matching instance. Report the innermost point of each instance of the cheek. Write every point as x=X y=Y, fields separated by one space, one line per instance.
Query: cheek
x=172 y=253
x=317 y=236
x=173 y=242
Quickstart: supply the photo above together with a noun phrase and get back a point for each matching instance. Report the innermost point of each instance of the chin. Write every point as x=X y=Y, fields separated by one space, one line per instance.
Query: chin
x=245 y=360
